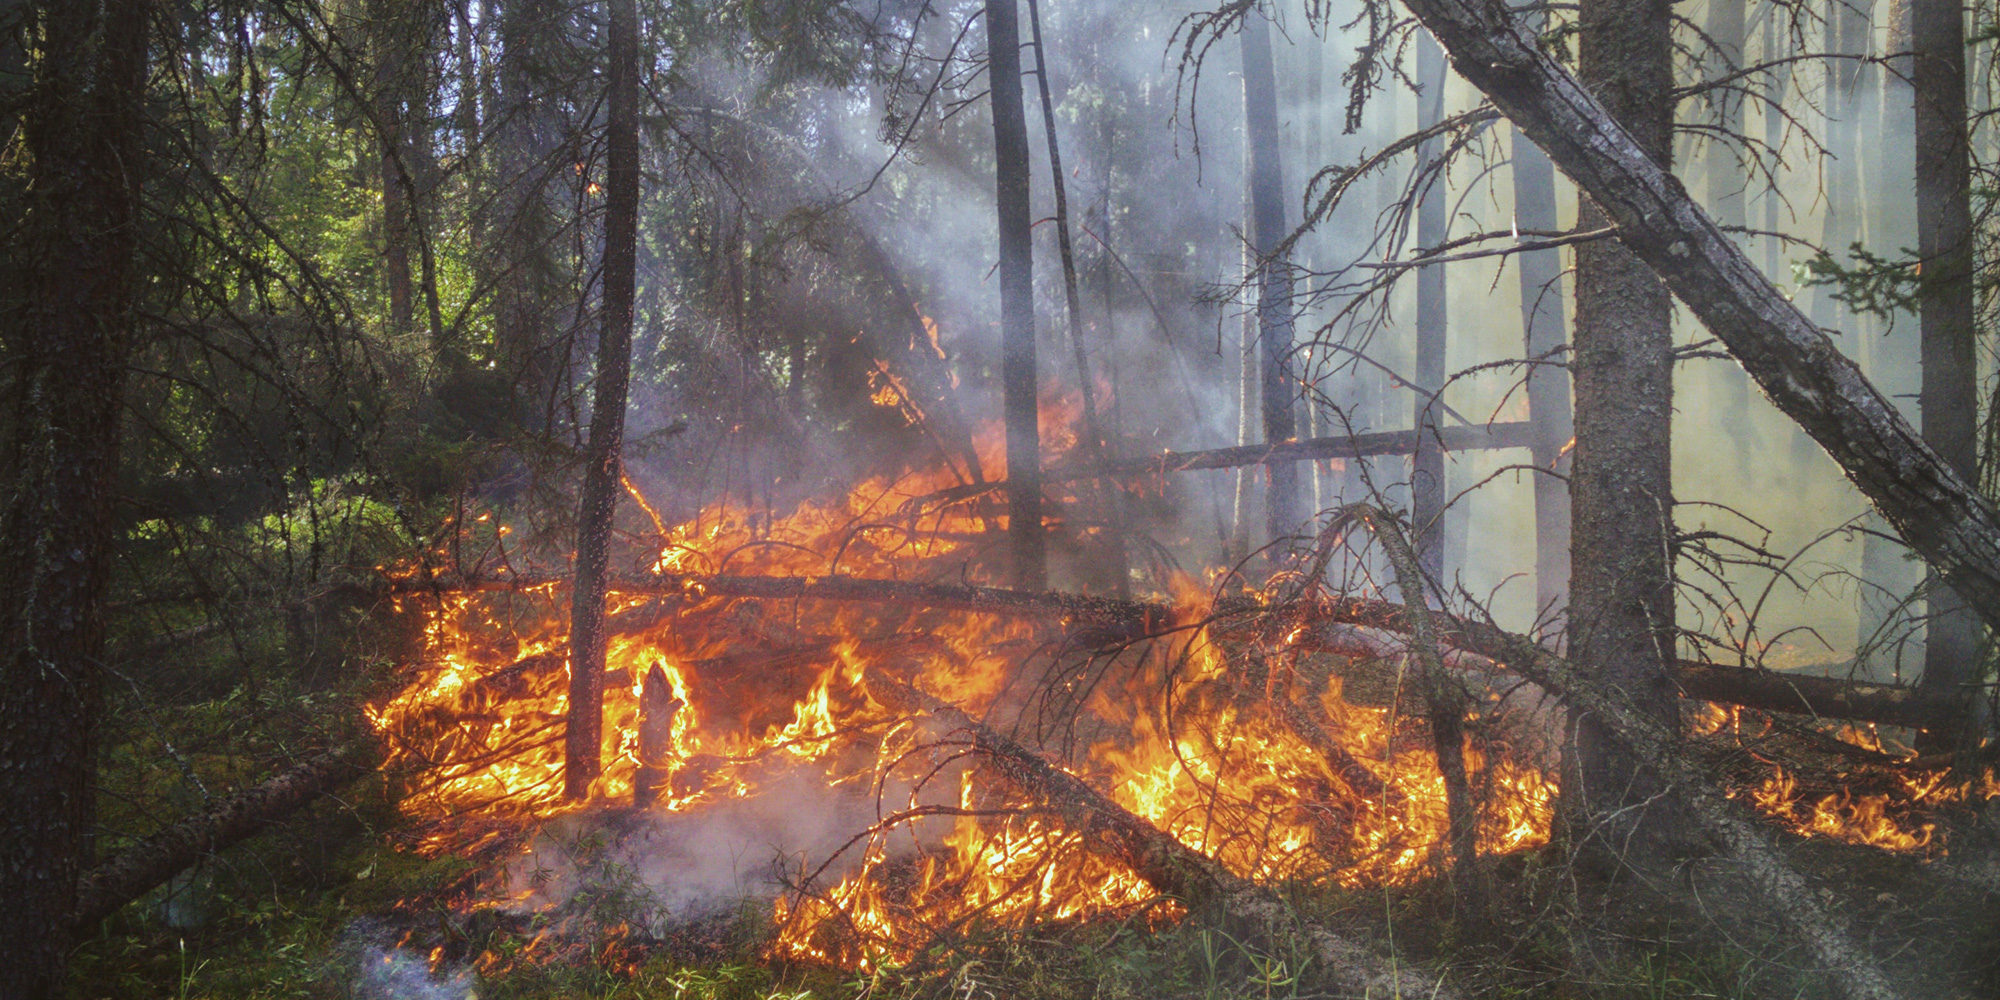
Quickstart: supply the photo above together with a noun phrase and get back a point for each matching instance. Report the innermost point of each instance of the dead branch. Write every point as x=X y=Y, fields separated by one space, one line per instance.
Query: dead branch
x=1445 y=703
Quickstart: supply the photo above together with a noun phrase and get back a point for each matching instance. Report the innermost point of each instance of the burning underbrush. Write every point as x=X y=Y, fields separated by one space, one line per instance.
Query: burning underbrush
x=842 y=767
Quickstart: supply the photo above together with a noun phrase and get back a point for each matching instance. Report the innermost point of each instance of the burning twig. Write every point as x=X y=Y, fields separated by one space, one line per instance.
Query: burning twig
x=1345 y=626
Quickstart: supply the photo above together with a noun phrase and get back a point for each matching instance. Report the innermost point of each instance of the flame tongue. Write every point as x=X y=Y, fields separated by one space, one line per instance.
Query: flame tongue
x=761 y=734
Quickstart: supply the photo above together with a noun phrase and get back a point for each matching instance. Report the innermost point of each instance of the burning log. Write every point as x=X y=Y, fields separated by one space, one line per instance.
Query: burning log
x=1342 y=629
x=151 y=862
x=1169 y=866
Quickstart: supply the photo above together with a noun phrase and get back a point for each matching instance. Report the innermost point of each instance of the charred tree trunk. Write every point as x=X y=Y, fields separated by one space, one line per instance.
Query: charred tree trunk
x=1542 y=323
x=1621 y=489
x=601 y=478
x=1018 y=379
x=1427 y=486
x=1949 y=398
x=80 y=139
x=1282 y=513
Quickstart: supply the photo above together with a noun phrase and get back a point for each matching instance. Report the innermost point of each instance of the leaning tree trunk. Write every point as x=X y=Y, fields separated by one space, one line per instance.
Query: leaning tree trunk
x=1621 y=489
x=601 y=478
x=1017 y=297
x=1938 y=512
x=390 y=83
x=73 y=261
x=1949 y=398
x=1282 y=509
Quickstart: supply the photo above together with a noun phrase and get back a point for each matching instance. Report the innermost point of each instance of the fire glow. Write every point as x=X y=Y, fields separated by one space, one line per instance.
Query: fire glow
x=765 y=690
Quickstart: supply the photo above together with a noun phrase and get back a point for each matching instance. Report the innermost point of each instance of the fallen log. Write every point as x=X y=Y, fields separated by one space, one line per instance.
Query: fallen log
x=1511 y=434
x=1506 y=434
x=1169 y=866
x=1354 y=627
x=136 y=870
x=1132 y=616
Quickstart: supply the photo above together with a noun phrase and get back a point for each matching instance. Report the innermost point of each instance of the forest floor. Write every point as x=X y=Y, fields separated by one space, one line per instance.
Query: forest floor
x=324 y=907
x=334 y=903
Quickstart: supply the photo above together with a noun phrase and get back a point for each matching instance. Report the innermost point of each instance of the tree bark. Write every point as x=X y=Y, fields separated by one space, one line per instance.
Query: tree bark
x=1621 y=619
x=602 y=470
x=1942 y=515
x=1018 y=378
x=1278 y=389
x=80 y=139
x=153 y=860
x=1949 y=398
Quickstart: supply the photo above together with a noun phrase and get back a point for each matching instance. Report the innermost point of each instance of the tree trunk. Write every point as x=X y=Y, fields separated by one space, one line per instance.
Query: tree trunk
x=1726 y=181
x=1114 y=559
x=521 y=271
x=390 y=84
x=1777 y=47
x=1938 y=512
x=81 y=142
x=1018 y=379
x=1427 y=486
x=601 y=478
x=1542 y=322
x=1282 y=513
x=1949 y=399
x=1621 y=618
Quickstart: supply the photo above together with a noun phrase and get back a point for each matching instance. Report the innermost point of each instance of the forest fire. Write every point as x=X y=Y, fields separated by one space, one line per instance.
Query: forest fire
x=765 y=692
x=761 y=695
